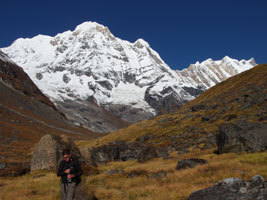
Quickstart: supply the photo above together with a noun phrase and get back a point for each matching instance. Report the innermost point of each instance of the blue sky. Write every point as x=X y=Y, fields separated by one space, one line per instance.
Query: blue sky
x=181 y=31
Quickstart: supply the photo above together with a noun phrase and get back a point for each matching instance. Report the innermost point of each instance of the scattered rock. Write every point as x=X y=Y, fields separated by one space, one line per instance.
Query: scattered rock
x=145 y=138
x=183 y=152
x=15 y=169
x=241 y=137
x=47 y=153
x=207 y=118
x=3 y=166
x=233 y=188
x=198 y=107
x=158 y=175
x=136 y=173
x=231 y=117
x=190 y=163
x=115 y=171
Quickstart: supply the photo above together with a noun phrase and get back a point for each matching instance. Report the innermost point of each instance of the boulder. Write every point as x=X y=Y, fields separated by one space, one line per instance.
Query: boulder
x=115 y=171
x=48 y=152
x=233 y=188
x=122 y=151
x=3 y=166
x=241 y=137
x=190 y=163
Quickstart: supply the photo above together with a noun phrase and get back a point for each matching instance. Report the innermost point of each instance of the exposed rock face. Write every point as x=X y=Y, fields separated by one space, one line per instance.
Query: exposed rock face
x=48 y=152
x=120 y=150
x=89 y=114
x=91 y=63
x=190 y=163
x=14 y=75
x=241 y=137
x=234 y=188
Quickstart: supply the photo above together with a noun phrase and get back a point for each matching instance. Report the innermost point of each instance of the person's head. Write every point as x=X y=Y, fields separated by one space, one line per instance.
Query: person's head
x=66 y=155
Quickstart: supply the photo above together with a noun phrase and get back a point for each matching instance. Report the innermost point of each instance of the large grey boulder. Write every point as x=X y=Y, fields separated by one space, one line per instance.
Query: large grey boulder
x=241 y=137
x=48 y=152
x=122 y=151
x=233 y=188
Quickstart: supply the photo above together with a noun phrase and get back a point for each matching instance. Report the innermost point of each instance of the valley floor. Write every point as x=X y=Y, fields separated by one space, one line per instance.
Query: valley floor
x=156 y=179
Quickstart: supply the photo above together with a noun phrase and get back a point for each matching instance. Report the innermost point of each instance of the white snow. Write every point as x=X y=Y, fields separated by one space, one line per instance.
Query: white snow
x=110 y=69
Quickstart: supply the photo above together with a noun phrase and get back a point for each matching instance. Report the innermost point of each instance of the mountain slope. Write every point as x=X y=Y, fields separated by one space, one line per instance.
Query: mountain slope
x=26 y=114
x=239 y=100
x=90 y=67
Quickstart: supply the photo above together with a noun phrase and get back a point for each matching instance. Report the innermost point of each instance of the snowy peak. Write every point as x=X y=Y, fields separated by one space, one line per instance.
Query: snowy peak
x=140 y=43
x=209 y=72
x=90 y=65
x=91 y=27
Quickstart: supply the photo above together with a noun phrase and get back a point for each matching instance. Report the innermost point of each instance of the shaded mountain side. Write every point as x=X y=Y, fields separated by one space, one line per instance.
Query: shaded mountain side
x=25 y=116
x=239 y=100
x=19 y=80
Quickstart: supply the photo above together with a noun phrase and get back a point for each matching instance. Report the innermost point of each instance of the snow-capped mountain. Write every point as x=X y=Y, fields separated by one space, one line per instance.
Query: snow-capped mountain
x=89 y=71
x=210 y=72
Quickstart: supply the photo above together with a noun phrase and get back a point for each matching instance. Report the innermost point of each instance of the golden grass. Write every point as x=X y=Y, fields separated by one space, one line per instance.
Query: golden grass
x=176 y=185
x=187 y=124
x=37 y=186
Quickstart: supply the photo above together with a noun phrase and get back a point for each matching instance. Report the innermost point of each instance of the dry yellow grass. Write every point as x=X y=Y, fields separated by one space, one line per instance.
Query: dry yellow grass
x=176 y=185
x=37 y=186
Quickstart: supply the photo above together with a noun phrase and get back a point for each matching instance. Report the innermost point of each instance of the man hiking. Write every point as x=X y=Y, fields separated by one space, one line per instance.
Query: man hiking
x=70 y=171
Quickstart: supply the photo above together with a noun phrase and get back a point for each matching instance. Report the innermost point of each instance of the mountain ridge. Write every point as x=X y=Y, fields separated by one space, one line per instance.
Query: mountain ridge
x=90 y=66
x=239 y=101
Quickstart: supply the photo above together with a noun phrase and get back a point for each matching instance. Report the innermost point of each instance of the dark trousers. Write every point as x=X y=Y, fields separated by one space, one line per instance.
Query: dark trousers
x=67 y=191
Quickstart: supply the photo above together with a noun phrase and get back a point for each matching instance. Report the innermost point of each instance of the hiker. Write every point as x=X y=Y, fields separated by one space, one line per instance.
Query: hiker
x=70 y=171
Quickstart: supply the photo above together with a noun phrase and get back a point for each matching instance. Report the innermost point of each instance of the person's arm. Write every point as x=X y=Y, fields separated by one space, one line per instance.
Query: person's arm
x=60 y=171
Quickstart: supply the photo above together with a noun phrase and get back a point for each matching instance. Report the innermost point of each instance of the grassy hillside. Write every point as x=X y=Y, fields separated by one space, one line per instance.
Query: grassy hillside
x=191 y=128
x=242 y=97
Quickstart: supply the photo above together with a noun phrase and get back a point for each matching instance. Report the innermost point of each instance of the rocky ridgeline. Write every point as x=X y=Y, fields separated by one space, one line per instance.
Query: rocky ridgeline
x=123 y=151
x=234 y=189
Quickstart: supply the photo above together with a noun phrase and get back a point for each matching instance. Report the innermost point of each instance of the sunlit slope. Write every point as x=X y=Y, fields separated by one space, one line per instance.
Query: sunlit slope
x=242 y=97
